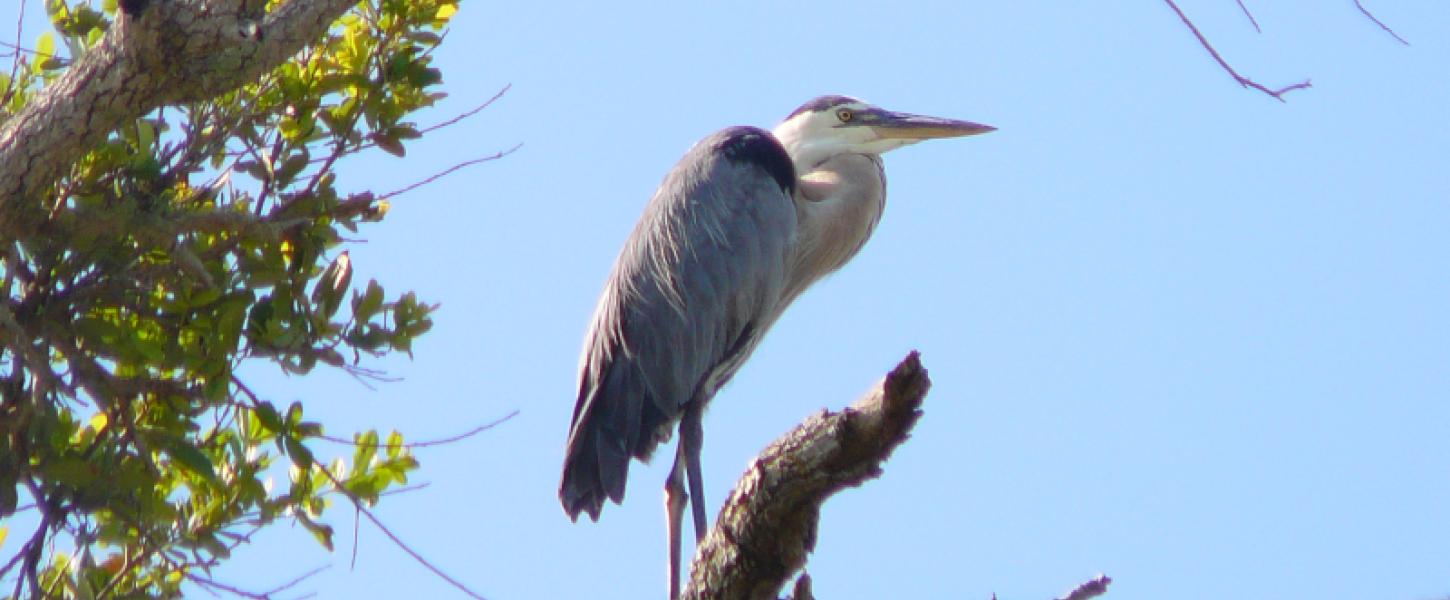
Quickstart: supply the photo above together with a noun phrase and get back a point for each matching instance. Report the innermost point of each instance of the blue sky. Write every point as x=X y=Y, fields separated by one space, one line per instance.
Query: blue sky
x=1180 y=333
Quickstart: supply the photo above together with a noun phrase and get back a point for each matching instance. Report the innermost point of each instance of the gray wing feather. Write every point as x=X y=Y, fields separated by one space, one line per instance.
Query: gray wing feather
x=696 y=283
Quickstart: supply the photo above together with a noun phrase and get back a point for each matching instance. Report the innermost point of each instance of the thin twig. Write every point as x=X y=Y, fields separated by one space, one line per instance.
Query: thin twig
x=450 y=170
x=1244 y=81
x=32 y=548
x=426 y=443
x=352 y=564
x=14 y=62
x=405 y=489
x=1380 y=23
x=1250 y=15
x=470 y=113
x=357 y=502
x=475 y=110
x=10 y=564
x=124 y=571
x=296 y=580
x=207 y=582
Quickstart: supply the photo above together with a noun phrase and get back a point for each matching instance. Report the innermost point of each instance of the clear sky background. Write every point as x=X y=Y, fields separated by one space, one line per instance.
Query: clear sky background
x=1180 y=333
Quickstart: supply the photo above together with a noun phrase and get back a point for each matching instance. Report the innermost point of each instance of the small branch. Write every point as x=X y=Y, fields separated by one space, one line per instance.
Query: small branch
x=768 y=525
x=1371 y=17
x=474 y=111
x=450 y=170
x=1278 y=94
x=1093 y=588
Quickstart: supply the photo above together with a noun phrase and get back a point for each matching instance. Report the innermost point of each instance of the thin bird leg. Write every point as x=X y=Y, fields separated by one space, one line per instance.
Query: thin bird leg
x=692 y=439
x=675 y=499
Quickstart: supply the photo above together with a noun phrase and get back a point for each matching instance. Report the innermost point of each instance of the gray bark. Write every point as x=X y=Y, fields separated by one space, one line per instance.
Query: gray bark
x=172 y=51
x=768 y=525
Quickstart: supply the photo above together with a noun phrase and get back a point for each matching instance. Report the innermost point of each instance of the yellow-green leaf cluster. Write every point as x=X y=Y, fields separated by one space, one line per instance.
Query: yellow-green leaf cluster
x=188 y=241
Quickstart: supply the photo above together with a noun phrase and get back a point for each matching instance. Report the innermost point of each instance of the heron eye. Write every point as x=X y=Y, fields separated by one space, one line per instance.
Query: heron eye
x=844 y=115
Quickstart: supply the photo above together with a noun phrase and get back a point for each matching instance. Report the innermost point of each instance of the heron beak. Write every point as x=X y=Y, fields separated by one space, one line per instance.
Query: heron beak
x=906 y=126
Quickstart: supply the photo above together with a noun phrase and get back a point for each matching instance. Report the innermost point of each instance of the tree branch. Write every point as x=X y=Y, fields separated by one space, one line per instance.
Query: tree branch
x=768 y=524
x=175 y=51
x=1278 y=94
x=1376 y=21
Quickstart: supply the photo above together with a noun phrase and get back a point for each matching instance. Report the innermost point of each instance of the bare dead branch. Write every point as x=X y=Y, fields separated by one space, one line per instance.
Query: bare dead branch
x=1092 y=588
x=1278 y=94
x=768 y=525
x=1387 y=29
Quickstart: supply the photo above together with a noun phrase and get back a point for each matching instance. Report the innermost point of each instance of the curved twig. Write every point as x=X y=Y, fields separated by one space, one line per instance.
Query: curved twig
x=1371 y=17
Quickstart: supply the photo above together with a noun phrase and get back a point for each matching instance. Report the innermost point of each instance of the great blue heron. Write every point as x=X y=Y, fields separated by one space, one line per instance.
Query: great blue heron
x=741 y=226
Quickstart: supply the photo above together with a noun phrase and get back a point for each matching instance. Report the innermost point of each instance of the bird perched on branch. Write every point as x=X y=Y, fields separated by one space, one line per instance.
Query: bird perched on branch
x=744 y=223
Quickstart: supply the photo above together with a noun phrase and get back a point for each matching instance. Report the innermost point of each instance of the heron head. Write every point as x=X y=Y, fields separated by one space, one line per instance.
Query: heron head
x=832 y=125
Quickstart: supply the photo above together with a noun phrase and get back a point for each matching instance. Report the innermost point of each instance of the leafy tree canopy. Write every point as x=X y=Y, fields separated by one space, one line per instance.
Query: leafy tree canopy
x=195 y=237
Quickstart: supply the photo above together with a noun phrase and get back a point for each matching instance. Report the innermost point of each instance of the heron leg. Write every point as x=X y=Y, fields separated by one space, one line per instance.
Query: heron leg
x=675 y=499
x=692 y=439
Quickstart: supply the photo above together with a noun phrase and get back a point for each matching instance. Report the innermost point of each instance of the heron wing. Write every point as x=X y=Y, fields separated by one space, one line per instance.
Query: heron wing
x=696 y=283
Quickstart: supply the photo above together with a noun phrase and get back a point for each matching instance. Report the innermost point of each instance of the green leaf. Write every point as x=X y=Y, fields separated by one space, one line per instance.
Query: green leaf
x=294 y=414
x=367 y=448
x=395 y=444
x=145 y=136
x=191 y=458
x=72 y=471
x=389 y=144
x=301 y=456
x=44 y=50
x=268 y=415
x=369 y=303
x=292 y=166
x=321 y=531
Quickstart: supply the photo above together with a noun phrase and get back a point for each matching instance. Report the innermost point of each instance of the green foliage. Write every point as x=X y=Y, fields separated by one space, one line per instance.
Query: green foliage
x=188 y=241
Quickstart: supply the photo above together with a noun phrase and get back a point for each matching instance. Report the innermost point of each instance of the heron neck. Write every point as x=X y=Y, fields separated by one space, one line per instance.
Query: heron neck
x=838 y=205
